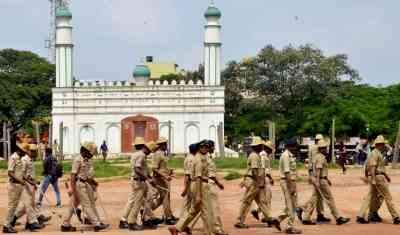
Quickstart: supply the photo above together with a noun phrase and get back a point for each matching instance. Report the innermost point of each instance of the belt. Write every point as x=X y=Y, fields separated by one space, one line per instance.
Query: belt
x=286 y=179
x=12 y=180
x=78 y=179
x=324 y=178
x=138 y=179
x=249 y=176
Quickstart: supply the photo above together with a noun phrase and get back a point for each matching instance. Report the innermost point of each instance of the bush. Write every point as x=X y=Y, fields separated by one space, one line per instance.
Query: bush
x=233 y=175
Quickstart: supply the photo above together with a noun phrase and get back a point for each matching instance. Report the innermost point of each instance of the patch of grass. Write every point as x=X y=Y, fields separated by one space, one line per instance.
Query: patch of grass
x=3 y=165
x=106 y=169
x=233 y=175
x=176 y=163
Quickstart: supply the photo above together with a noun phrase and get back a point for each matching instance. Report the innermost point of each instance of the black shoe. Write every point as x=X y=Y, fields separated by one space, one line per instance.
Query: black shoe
x=67 y=228
x=266 y=221
x=361 y=220
x=9 y=230
x=100 y=227
x=396 y=220
x=170 y=221
x=299 y=212
x=241 y=226
x=254 y=213
x=174 y=218
x=322 y=219
x=273 y=222
x=308 y=222
x=43 y=219
x=149 y=225
x=123 y=224
x=156 y=221
x=342 y=220
x=135 y=227
x=374 y=217
x=14 y=221
x=33 y=226
x=87 y=221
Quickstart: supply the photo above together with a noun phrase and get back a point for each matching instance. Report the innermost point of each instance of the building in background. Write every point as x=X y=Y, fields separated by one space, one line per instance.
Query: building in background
x=119 y=111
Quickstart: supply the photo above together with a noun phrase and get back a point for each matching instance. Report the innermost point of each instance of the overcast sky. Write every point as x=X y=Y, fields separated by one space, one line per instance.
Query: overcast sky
x=111 y=36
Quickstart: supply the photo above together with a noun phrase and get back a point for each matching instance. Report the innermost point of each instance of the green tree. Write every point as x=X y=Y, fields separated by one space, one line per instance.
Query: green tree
x=25 y=87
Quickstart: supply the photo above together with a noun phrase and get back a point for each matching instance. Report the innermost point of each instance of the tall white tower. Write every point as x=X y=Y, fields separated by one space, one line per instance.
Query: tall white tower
x=212 y=47
x=64 y=47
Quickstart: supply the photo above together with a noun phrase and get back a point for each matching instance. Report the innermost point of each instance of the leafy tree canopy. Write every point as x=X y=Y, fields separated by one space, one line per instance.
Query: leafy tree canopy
x=25 y=87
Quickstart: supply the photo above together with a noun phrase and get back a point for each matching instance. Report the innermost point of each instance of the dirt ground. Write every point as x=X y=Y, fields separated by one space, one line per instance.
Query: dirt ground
x=347 y=189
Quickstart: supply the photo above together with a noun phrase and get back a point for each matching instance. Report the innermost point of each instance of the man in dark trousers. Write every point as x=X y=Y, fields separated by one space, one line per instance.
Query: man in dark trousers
x=104 y=150
x=51 y=173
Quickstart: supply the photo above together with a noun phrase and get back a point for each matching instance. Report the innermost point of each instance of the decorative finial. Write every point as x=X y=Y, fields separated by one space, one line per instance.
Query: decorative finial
x=212 y=3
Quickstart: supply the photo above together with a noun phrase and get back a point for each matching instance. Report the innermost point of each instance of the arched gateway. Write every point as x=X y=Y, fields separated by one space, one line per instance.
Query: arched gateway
x=138 y=126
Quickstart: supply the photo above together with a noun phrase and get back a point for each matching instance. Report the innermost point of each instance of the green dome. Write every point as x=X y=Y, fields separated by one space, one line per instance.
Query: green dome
x=141 y=71
x=212 y=12
x=63 y=12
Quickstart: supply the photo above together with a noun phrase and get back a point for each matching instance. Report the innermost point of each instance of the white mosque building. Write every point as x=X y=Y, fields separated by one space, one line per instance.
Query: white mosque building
x=119 y=111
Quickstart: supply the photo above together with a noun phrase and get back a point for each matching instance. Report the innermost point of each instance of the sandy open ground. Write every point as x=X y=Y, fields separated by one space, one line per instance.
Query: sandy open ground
x=347 y=189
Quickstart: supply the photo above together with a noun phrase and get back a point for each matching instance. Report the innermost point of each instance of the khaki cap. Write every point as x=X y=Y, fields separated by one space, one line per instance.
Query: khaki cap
x=152 y=146
x=380 y=140
x=24 y=147
x=319 y=137
x=139 y=141
x=89 y=146
x=269 y=145
x=256 y=141
x=322 y=144
x=162 y=140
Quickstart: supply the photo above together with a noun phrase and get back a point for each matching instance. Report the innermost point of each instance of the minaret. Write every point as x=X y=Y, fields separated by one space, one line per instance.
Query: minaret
x=64 y=47
x=212 y=47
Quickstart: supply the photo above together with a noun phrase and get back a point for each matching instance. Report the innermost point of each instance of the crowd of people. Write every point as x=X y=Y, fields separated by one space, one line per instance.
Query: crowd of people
x=150 y=188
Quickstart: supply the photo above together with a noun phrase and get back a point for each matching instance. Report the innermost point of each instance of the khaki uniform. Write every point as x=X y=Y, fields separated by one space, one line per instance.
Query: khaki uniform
x=216 y=221
x=320 y=163
x=188 y=170
x=316 y=200
x=28 y=194
x=287 y=164
x=83 y=169
x=253 y=192
x=381 y=188
x=139 y=188
x=15 y=190
x=199 y=170
x=160 y=164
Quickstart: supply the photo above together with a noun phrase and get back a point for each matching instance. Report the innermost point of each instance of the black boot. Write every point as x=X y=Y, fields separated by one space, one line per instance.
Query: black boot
x=14 y=221
x=170 y=221
x=342 y=220
x=396 y=220
x=254 y=213
x=135 y=227
x=100 y=227
x=33 y=226
x=149 y=225
x=322 y=219
x=374 y=217
x=68 y=228
x=361 y=220
x=241 y=226
x=123 y=224
x=272 y=222
x=43 y=219
x=9 y=230
x=299 y=212
x=156 y=221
